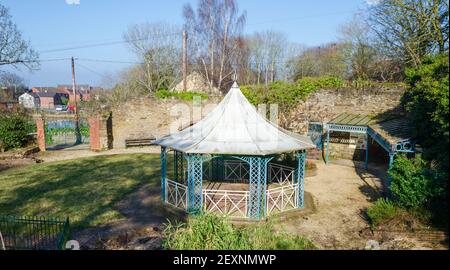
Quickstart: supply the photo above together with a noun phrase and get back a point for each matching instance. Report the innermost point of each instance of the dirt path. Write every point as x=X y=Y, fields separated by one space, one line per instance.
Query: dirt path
x=341 y=193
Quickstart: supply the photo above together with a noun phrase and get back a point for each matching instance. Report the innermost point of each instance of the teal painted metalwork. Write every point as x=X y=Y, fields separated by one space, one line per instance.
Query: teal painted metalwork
x=195 y=179
x=347 y=128
x=380 y=140
x=407 y=146
x=301 y=164
x=175 y=166
x=366 y=161
x=328 y=146
x=257 y=185
x=163 y=158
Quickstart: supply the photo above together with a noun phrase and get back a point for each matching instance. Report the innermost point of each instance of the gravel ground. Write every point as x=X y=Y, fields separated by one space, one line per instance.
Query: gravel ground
x=342 y=191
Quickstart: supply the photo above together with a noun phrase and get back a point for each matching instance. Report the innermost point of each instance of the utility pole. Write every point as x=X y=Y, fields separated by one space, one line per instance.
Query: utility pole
x=184 y=61
x=74 y=91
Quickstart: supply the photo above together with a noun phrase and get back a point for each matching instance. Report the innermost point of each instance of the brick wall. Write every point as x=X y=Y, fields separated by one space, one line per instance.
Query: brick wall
x=99 y=132
x=40 y=128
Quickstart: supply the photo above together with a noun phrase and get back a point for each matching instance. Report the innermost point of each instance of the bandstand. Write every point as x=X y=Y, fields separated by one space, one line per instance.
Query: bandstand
x=225 y=163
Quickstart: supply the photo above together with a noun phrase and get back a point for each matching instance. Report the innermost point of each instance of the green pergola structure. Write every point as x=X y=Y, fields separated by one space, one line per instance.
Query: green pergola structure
x=234 y=129
x=393 y=135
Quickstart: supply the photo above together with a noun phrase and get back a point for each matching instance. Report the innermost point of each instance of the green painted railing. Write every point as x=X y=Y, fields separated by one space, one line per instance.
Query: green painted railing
x=33 y=233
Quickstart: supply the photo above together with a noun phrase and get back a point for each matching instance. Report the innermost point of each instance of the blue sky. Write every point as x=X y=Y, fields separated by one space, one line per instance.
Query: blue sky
x=55 y=24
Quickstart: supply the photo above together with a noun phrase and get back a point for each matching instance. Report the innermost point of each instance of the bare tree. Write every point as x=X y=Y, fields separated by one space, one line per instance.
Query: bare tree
x=11 y=86
x=410 y=29
x=267 y=49
x=326 y=60
x=358 y=51
x=157 y=45
x=14 y=50
x=214 y=32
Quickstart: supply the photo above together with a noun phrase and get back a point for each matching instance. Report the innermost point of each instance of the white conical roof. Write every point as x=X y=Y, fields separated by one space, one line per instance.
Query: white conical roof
x=235 y=127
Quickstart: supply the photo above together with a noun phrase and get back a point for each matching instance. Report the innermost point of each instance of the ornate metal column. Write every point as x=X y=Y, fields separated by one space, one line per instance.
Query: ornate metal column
x=366 y=161
x=257 y=186
x=195 y=179
x=301 y=163
x=328 y=146
x=163 y=157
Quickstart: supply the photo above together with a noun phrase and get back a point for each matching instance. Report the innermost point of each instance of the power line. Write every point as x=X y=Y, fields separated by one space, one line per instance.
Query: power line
x=93 y=71
x=109 y=61
x=104 y=44
x=101 y=44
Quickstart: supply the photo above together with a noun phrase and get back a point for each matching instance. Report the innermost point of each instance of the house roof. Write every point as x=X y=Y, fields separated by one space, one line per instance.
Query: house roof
x=43 y=94
x=50 y=90
x=235 y=127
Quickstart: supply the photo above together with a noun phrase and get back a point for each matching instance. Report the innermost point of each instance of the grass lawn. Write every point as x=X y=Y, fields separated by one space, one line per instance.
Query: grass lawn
x=83 y=189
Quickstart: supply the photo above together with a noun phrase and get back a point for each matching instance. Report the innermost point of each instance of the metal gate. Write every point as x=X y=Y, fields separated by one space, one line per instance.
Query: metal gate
x=60 y=134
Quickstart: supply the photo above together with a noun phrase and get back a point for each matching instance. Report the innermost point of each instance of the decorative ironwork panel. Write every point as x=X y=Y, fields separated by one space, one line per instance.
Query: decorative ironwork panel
x=195 y=178
x=208 y=170
x=281 y=199
x=176 y=194
x=281 y=174
x=407 y=146
x=163 y=158
x=228 y=203
x=301 y=158
x=218 y=168
x=346 y=128
x=179 y=167
x=257 y=185
x=236 y=171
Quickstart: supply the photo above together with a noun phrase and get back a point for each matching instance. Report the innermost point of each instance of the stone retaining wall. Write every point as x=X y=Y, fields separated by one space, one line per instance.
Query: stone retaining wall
x=324 y=105
x=152 y=118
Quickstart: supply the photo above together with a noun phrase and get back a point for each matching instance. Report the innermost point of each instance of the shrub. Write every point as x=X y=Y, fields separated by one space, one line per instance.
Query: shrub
x=210 y=232
x=14 y=129
x=380 y=211
x=413 y=182
x=328 y=82
x=164 y=93
x=427 y=100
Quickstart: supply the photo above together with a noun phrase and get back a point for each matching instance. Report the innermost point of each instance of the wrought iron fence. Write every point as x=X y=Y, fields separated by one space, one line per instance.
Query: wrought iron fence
x=281 y=174
x=176 y=194
x=230 y=203
x=33 y=233
x=281 y=199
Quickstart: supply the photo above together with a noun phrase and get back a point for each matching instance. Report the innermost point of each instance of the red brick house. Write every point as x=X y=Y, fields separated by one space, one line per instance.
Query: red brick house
x=49 y=100
x=83 y=91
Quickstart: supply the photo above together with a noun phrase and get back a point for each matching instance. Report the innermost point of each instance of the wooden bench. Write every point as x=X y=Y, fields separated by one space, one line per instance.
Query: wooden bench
x=138 y=142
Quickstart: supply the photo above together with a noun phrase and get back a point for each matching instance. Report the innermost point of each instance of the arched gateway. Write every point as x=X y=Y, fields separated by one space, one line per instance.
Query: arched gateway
x=234 y=142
